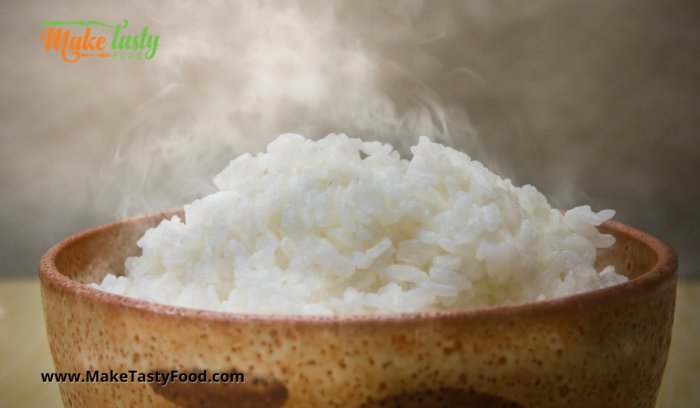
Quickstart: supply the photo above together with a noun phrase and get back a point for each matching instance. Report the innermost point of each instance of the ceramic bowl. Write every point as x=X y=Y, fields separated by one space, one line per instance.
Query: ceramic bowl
x=605 y=348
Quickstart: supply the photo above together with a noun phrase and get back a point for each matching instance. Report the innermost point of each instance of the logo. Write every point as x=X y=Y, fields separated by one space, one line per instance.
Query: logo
x=73 y=48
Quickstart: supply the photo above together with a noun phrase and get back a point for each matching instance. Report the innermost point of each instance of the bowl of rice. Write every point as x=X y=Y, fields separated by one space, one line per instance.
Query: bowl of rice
x=336 y=273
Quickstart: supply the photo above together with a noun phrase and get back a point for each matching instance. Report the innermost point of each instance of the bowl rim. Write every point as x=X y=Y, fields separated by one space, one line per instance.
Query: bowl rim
x=663 y=273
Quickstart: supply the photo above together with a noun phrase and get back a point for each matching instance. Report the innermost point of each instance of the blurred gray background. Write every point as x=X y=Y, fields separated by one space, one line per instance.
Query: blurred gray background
x=592 y=101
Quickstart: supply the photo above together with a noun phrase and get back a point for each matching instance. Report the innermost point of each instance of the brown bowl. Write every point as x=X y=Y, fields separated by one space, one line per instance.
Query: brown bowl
x=605 y=348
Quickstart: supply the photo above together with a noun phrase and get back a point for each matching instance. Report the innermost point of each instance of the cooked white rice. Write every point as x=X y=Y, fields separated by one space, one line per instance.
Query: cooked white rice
x=315 y=228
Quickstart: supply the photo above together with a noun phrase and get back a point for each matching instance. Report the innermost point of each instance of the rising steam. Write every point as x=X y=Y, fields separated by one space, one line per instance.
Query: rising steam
x=234 y=75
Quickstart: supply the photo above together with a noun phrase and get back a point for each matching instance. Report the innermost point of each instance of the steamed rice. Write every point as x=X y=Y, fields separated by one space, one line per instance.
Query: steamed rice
x=312 y=227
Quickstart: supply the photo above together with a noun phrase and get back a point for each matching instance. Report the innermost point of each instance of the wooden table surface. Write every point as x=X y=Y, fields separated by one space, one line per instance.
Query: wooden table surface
x=24 y=351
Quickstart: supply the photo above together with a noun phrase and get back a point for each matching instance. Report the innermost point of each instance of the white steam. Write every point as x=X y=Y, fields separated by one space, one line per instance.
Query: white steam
x=234 y=75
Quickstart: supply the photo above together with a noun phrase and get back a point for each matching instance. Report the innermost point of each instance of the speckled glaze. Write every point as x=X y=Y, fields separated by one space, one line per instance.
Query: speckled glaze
x=605 y=348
